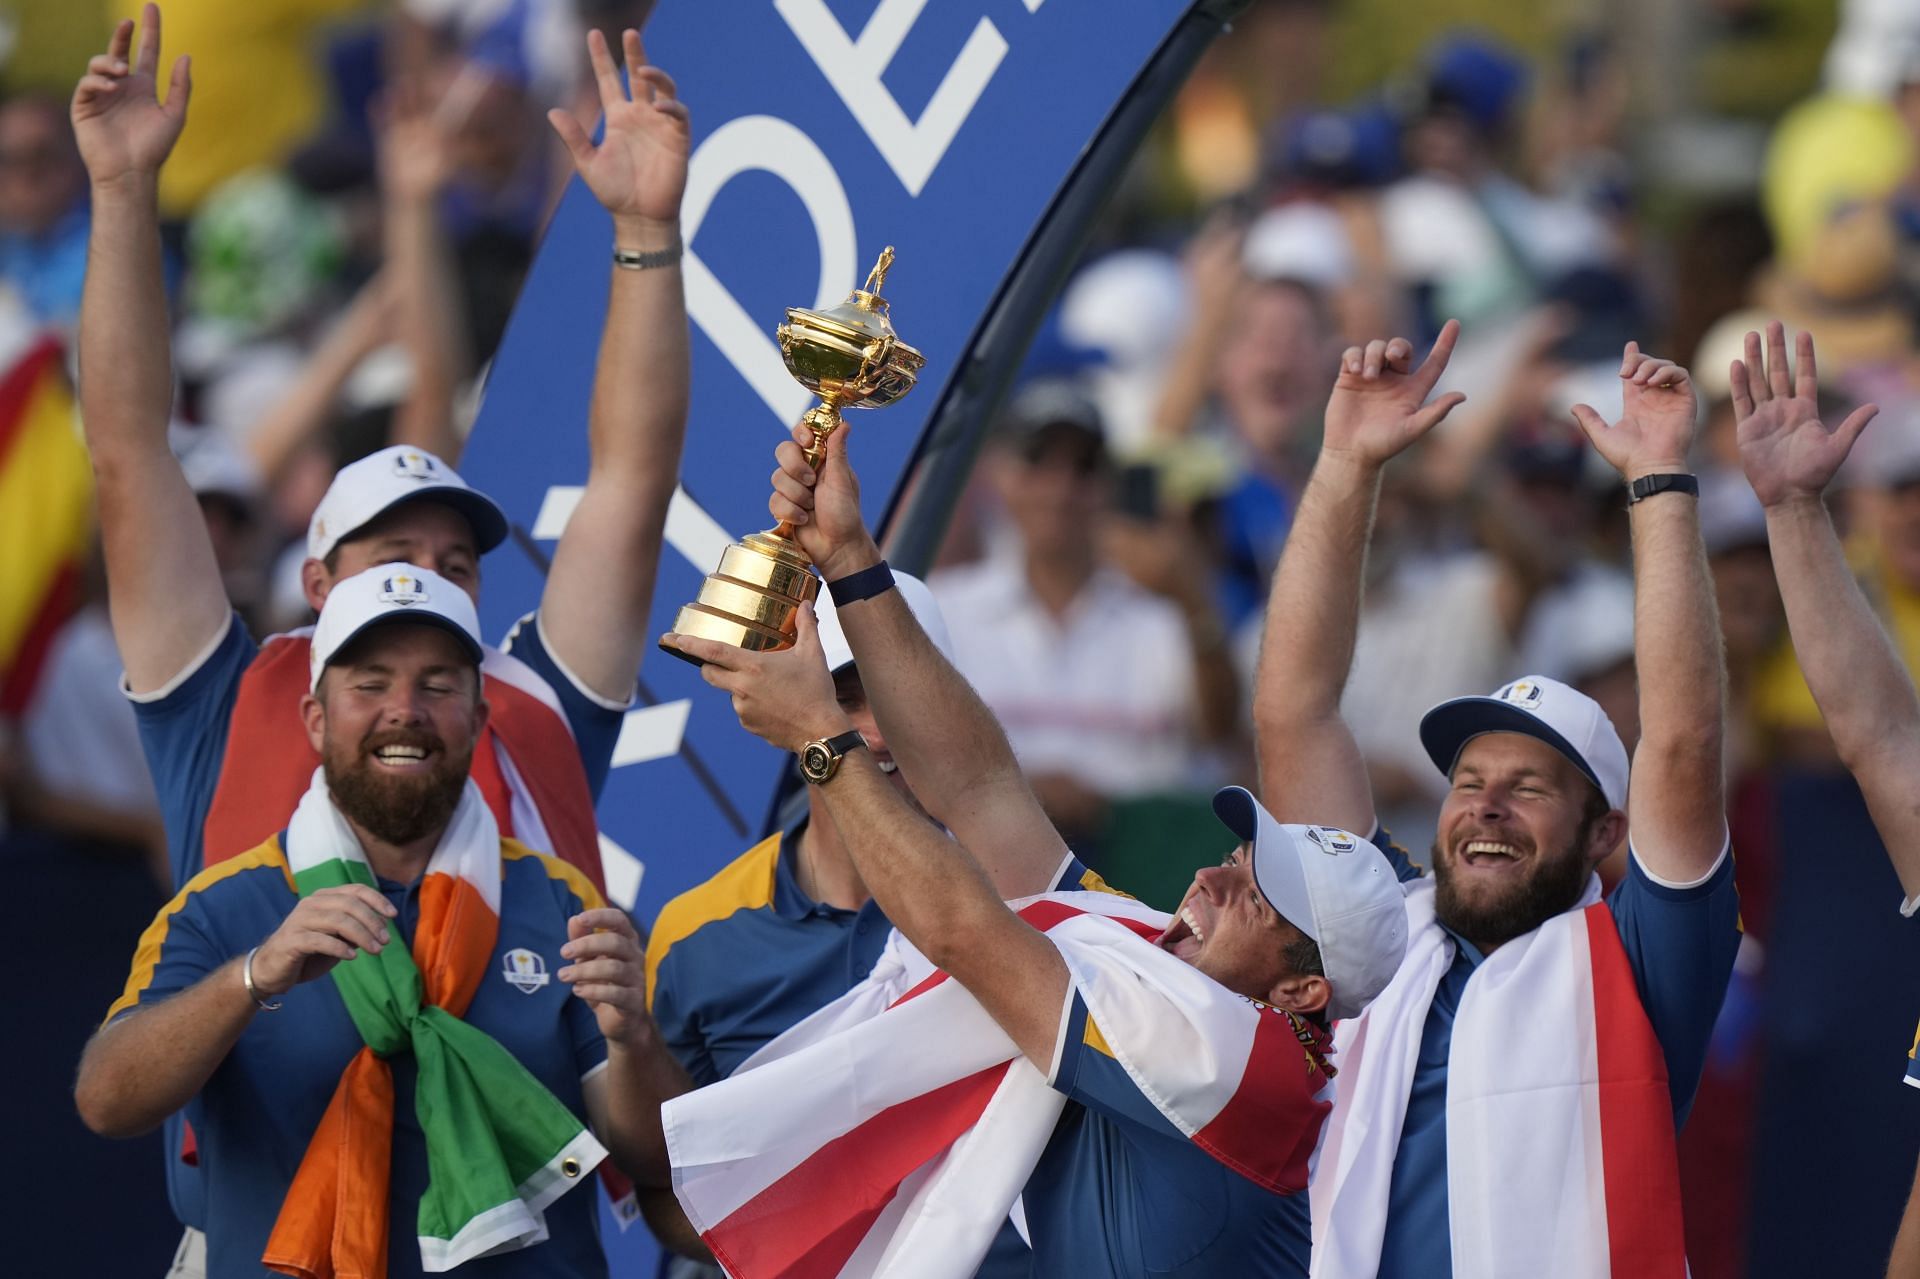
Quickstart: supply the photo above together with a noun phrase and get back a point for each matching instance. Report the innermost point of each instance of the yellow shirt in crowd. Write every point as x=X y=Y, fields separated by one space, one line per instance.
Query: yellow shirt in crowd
x=258 y=91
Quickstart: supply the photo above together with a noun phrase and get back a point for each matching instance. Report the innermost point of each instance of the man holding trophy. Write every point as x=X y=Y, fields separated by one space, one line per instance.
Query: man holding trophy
x=1175 y=1073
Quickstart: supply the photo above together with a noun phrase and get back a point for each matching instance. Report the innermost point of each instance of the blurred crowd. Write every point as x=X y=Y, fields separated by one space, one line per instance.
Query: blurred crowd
x=350 y=222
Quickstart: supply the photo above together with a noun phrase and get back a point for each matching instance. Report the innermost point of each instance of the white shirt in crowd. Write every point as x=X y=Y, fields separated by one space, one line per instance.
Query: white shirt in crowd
x=1104 y=695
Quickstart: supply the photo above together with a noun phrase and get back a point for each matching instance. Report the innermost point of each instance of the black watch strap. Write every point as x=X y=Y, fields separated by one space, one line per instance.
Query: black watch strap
x=1666 y=482
x=845 y=742
x=864 y=585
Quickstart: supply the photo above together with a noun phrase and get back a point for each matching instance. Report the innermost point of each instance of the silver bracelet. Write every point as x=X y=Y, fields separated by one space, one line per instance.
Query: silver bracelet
x=648 y=259
x=246 y=975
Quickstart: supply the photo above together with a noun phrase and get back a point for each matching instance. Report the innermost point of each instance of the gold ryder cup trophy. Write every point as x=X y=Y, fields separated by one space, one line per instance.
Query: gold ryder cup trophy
x=849 y=356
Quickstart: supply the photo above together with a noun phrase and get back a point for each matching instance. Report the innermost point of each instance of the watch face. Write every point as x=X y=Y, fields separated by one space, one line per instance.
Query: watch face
x=816 y=761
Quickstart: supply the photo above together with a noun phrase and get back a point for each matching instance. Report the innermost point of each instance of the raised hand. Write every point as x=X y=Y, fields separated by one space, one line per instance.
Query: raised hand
x=415 y=149
x=1785 y=449
x=785 y=697
x=123 y=129
x=324 y=929
x=639 y=169
x=823 y=506
x=1656 y=424
x=606 y=966
x=1379 y=403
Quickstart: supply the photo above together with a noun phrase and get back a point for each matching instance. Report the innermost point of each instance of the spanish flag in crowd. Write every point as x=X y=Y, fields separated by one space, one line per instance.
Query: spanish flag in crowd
x=46 y=511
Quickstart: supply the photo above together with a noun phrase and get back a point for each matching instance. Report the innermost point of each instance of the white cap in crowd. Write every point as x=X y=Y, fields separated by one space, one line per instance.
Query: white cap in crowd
x=385 y=596
x=367 y=489
x=1333 y=886
x=920 y=602
x=1562 y=717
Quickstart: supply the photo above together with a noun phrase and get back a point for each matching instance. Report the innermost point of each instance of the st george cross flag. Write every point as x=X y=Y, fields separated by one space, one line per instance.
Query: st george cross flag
x=891 y=1133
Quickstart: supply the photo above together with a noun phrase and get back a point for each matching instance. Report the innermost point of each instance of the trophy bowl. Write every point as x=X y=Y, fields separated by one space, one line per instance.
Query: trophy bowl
x=849 y=355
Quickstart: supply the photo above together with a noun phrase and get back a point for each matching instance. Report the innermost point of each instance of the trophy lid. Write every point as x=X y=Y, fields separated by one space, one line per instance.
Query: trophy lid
x=863 y=315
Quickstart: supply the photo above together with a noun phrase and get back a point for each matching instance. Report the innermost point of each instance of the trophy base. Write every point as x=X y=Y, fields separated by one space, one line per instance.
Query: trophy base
x=750 y=601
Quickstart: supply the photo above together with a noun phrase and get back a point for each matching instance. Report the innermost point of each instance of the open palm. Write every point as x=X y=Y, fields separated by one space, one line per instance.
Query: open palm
x=1655 y=430
x=1785 y=449
x=1379 y=403
x=640 y=167
x=122 y=127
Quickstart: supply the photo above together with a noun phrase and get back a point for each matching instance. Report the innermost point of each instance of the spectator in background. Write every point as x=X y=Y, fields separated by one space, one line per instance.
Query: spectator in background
x=1106 y=690
x=43 y=209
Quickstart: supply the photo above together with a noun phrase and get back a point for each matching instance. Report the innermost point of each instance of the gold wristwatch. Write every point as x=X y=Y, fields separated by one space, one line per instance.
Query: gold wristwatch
x=820 y=759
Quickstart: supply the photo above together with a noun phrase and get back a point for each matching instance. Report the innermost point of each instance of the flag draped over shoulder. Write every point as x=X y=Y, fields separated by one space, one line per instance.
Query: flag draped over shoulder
x=46 y=512
x=500 y=1147
x=891 y=1133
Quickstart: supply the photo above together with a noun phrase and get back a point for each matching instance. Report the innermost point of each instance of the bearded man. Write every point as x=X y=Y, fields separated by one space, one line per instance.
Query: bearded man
x=1508 y=1105
x=370 y=1018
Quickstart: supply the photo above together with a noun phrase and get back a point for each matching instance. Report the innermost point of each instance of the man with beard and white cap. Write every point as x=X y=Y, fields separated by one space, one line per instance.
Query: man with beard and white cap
x=1507 y=1107
x=381 y=997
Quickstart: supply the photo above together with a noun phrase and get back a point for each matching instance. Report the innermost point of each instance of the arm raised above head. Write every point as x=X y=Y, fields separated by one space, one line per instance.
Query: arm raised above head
x=594 y=611
x=163 y=583
x=1311 y=769
x=1864 y=691
x=1676 y=792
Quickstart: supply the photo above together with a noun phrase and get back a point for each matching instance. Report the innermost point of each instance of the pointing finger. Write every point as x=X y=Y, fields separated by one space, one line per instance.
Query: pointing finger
x=1436 y=362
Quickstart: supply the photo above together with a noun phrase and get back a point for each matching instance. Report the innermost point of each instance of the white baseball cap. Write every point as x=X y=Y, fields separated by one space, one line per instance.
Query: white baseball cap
x=1562 y=717
x=387 y=595
x=920 y=603
x=1333 y=886
x=366 y=489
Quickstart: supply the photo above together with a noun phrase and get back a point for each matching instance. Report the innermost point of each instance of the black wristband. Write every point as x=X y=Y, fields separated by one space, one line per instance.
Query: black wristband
x=1665 y=482
x=864 y=585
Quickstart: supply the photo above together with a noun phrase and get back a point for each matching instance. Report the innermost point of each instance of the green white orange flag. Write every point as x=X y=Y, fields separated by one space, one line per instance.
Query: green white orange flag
x=500 y=1146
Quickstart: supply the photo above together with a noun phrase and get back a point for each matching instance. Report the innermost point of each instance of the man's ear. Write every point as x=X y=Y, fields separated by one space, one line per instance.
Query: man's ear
x=1300 y=993
x=315 y=582
x=314 y=716
x=1606 y=836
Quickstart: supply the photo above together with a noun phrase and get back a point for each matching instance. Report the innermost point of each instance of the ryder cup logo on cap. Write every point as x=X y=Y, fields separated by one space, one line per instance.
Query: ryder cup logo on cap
x=1545 y=709
x=365 y=490
x=403 y=588
x=1333 y=886
x=390 y=595
x=1331 y=841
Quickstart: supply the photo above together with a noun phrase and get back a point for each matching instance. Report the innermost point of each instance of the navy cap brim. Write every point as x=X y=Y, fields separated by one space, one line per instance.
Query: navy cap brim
x=1447 y=728
x=417 y=618
x=489 y=522
x=1234 y=806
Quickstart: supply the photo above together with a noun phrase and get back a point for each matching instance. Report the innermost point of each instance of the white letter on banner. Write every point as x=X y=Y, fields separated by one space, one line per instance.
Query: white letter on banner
x=769 y=143
x=912 y=148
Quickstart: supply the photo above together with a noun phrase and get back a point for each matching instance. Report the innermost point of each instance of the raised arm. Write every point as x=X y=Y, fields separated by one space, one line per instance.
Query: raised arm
x=930 y=887
x=1311 y=769
x=1676 y=803
x=594 y=612
x=415 y=164
x=1863 y=691
x=163 y=584
x=948 y=744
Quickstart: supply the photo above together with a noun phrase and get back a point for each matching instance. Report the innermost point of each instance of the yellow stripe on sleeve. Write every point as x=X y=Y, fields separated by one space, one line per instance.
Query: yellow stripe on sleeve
x=1095 y=1039
x=512 y=850
x=146 y=956
x=746 y=883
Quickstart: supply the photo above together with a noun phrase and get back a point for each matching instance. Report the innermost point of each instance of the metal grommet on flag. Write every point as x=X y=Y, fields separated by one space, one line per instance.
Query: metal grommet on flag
x=570 y=1167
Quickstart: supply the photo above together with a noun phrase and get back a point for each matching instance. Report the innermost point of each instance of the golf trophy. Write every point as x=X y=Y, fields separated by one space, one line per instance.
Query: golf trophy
x=849 y=356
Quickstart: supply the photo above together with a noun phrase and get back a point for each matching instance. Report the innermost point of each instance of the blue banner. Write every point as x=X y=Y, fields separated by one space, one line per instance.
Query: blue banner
x=822 y=131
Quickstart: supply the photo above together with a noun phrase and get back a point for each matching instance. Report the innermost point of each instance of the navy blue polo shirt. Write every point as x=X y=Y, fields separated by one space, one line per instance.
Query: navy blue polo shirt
x=1680 y=943
x=1120 y=1191
x=257 y=1113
